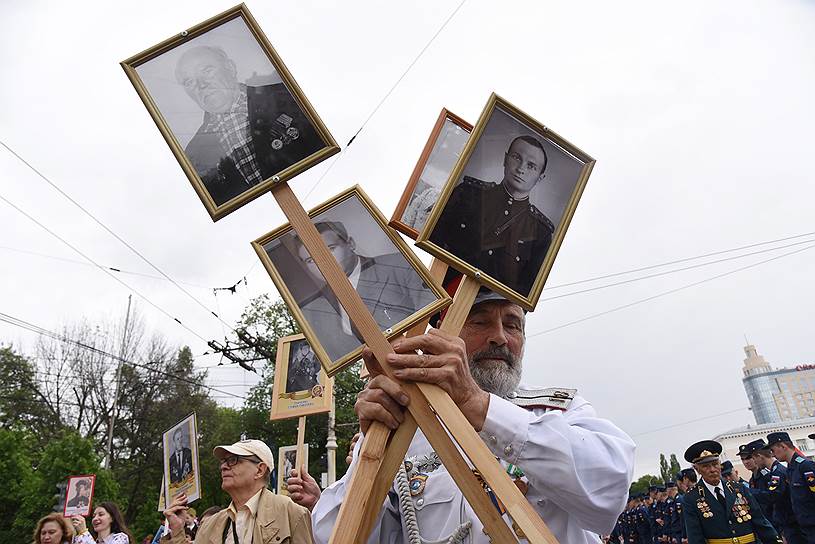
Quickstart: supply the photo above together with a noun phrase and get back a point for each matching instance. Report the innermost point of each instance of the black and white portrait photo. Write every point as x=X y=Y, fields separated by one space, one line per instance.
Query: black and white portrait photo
x=304 y=368
x=234 y=114
x=513 y=191
x=440 y=154
x=181 y=474
x=286 y=460
x=374 y=259
x=301 y=386
x=181 y=456
x=79 y=495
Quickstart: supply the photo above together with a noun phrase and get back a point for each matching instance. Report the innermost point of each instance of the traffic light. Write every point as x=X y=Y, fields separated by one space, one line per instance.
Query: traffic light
x=60 y=496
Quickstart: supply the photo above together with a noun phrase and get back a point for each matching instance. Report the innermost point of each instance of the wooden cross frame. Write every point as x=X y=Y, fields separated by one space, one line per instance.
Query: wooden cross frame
x=430 y=408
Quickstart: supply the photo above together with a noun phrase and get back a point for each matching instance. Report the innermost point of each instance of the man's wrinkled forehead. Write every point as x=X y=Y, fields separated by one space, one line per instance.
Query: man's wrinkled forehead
x=502 y=306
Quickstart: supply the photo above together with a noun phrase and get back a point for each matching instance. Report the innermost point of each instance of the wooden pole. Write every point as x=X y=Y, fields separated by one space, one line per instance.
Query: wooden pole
x=301 y=440
x=353 y=507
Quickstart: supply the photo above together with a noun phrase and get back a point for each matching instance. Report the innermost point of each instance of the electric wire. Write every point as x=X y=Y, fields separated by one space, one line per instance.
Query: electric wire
x=100 y=267
x=668 y=292
x=387 y=95
x=56 y=336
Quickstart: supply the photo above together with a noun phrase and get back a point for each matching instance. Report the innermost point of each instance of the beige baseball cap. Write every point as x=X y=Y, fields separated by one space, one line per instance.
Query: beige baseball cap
x=247 y=447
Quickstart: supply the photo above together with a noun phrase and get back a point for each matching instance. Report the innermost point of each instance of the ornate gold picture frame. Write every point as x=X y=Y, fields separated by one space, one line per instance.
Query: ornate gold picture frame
x=508 y=202
x=392 y=282
x=230 y=110
x=440 y=153
x=301 y=386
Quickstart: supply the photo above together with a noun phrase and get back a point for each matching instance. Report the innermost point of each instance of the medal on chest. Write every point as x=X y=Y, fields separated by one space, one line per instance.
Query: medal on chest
x=741 y=509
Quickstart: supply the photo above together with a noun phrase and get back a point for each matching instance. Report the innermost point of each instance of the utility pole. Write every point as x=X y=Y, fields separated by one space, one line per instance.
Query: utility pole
x=118 y=383
x=331 y=444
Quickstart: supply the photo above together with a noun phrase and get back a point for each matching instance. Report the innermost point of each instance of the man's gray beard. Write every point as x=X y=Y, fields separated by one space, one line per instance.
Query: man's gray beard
x=499 y=378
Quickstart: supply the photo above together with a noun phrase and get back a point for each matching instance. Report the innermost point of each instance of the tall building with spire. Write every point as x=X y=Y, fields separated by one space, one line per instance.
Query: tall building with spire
x=781 y=395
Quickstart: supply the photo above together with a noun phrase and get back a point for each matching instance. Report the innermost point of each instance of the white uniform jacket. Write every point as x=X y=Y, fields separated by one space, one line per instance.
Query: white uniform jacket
x=576 y=467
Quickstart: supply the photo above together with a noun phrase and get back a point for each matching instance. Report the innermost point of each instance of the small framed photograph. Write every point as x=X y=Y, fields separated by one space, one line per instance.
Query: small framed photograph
x=79 y=495
x=506 y=206
x=392 y=282
x=440 y=154
x=286 y=458
x=181 y=472
x=301 y=385
x=229 y=109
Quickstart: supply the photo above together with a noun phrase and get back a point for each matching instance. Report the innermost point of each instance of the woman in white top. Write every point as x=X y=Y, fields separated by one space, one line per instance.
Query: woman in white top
x=108 y=527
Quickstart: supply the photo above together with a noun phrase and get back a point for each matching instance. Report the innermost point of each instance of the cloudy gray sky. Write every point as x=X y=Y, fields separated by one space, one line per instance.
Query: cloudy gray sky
x=699 y=115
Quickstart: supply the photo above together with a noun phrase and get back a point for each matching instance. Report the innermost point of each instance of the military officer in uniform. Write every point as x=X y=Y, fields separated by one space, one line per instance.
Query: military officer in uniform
x=773 y=489
x=493 y=226
x=801 y=480
x=760 y=481
x=732 y=475
x=718 y=511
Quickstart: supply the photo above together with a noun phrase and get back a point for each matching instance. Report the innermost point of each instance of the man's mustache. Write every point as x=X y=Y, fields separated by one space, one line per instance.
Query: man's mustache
x=497 y=352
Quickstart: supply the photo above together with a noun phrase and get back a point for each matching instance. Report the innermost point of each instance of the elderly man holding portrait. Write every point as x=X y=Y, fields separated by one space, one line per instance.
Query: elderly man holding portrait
x=573 y=467
x=255 y=515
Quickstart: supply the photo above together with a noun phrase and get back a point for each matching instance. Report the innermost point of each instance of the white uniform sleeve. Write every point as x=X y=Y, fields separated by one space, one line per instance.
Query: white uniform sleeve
x=578 y=461
x=324 y=515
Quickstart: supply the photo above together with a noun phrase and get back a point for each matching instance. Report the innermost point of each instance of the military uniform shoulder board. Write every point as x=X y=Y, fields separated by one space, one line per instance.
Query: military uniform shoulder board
x=475 y=182
x=556 y=398
x=537 y=214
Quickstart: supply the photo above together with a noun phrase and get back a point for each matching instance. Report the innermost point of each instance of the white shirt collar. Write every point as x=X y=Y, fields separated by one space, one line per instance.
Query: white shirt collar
x=712 y=488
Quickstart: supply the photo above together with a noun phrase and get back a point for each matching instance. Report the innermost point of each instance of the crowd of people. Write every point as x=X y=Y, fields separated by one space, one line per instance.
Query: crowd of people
x=777 y=502
x=573 y=467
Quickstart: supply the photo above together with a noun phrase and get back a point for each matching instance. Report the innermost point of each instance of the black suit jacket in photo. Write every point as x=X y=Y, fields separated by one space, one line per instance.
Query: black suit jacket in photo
x=180 y=471
x=501 y=236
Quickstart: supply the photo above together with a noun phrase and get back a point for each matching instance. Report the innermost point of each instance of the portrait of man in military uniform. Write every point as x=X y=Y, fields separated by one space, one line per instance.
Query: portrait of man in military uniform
x=233 y=109
x=304 y=368
x=513 y=188
x=79 y=495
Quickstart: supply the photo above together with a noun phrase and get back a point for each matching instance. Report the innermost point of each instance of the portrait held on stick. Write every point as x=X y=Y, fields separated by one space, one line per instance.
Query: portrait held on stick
x=181 y=473
x=508 y=202
x=286 y=460
x=79 y=495
x=229 y=109
x=301 y=385
x=440 y=153
x=394 y=285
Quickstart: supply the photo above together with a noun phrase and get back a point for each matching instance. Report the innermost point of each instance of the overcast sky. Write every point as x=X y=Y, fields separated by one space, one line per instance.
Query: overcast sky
x=699 y=114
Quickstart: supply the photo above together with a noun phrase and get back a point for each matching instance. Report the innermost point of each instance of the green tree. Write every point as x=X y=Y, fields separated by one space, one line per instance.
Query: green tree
x=66 y=455
x=664 y=468
x=641 y=484
x=18 y=481
x=21 y=405
x=675 y=466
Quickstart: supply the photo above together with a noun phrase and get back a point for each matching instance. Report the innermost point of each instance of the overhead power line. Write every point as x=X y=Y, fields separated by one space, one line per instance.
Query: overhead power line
x=109 y=231
x=11 y=320
x=668 y=292
x=100 y=267
x=688 y=422
x=387 y=94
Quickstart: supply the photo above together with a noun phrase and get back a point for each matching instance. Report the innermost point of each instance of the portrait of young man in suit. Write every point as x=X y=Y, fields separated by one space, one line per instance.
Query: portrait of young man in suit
x=388 y=285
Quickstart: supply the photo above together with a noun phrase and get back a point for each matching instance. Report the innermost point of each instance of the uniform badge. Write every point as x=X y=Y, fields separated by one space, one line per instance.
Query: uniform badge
x=416 y=484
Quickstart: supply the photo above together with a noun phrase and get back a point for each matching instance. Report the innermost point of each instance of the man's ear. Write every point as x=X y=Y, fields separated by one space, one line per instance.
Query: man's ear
x=352 y=244
x=261 y=472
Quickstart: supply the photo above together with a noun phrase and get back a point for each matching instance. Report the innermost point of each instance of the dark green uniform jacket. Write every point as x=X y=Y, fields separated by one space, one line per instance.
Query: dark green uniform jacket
x=706 y=519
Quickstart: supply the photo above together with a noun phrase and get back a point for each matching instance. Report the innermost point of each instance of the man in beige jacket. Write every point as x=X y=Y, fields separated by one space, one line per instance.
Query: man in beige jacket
x=255 y=515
